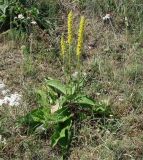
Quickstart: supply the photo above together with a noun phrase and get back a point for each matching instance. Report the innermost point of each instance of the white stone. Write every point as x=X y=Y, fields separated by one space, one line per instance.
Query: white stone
x=2 y=85
x=1 y=102
x=14 y=99
x=9 y=98
x=4 y=92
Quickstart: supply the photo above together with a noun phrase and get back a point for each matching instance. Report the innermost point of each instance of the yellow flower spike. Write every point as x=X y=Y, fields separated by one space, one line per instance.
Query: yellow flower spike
x=80 y=36
x=70 y=25
x=63 y=46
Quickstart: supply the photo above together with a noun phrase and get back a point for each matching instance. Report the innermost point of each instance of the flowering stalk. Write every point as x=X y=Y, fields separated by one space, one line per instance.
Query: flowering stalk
x=63 y=50
x=70 y=38
x=80 y=36
x=63 y=46
x=70 y=23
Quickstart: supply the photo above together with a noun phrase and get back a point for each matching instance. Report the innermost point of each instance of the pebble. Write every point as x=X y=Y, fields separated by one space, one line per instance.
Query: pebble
x=2 y=85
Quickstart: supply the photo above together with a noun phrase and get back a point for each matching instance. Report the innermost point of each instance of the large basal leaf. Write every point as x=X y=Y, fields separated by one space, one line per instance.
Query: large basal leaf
x=57 y=85
x=62 y=131
x=33 y=119
x=102 y=109
x=62 y=115
x=42 y=98
x=82 y=99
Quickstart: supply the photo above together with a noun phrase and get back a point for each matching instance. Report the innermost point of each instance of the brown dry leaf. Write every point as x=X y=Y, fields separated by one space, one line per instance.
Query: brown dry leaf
x=54 y=108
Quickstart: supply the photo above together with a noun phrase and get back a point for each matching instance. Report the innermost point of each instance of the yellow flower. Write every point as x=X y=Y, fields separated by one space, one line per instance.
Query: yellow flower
x=70 y=23
x=63 y=45
x=80 y=36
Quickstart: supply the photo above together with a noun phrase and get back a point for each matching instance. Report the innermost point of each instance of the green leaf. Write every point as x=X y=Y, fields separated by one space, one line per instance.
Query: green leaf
x=102 y=109
x=57 y=85
x=59 y=116
x=42 y=98
x=33 y=119
x=62 y=133
x=3 y=8
x=62 y=115
x=82 y=99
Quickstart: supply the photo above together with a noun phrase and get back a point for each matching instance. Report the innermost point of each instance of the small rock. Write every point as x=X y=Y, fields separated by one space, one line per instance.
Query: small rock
x=4 y=92
x=8 y=98
x=2 y=85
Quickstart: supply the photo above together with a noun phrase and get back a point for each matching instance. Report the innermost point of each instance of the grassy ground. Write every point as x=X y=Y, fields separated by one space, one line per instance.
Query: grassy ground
x=113 y=62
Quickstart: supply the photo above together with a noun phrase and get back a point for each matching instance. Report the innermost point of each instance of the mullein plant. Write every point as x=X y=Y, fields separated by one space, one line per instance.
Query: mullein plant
x=67 y=48
x=62 y=106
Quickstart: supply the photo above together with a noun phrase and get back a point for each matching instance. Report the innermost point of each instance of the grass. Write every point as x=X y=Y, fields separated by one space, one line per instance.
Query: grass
x=113 y=64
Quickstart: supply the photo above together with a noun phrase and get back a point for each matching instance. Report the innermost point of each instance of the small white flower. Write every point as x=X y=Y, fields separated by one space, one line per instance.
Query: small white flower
x=98 y=94
x=107 y=132
x=28 y=18
x=20 y=16
x=2 y=140
x=34 y=22
x=98 y=130
x=84 y=74
x=75 y=74
x=126 y=19
x=121 y=99
x=106 y=17
x=40 y=129
x=23 y=47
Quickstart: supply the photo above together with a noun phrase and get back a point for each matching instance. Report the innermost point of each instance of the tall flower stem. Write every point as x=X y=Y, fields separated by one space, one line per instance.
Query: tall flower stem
x=69 y=61
x=70 y=40
x=80 y=41
x=70 y=28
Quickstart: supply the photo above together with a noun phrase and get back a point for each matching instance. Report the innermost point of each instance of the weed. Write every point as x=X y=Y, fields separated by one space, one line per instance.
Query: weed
x=62 y=105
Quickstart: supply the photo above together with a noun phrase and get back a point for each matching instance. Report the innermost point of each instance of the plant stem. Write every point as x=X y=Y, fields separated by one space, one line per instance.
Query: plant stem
x=69 y=62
